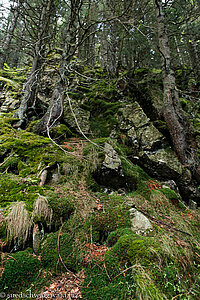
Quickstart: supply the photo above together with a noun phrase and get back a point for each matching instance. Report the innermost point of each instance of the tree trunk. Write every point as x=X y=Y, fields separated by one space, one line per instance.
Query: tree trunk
x=31 y=85
x=177 y=122
x=9 y=34
x=55 y=110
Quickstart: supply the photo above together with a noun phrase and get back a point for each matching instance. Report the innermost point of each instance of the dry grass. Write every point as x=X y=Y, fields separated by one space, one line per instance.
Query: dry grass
x=18 y=222
x=145 y=288
x=42 y=210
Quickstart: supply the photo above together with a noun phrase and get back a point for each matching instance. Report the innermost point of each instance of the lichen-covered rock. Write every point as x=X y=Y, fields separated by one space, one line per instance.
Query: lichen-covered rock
x=148 y=143
x=161 y=163
x=132 y=115
x=142 y=134
x=139 y=223
x=114 y=171
x=112 y=159
x=145 y=138
x=82 y=117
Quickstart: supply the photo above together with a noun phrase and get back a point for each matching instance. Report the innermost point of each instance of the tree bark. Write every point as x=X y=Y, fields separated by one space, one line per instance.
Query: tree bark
x=177 y=122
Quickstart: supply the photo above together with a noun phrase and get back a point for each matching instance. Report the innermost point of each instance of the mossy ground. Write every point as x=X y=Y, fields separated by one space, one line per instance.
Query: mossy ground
x=20 y=271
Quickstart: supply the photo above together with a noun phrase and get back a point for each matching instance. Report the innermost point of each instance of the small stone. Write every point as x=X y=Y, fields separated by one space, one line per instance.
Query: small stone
x=139 y=223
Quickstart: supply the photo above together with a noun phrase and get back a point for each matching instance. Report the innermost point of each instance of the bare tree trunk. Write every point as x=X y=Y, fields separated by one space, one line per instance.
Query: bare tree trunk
x=31 y=85
x=9 y=34
x=176 y=120
x=55 y=110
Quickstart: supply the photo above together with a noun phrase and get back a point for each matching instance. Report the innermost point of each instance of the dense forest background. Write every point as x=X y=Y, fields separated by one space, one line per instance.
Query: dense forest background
x=100 y=148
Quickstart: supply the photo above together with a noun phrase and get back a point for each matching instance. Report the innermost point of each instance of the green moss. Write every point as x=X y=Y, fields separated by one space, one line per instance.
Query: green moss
x=120 y=275
x=134 y=171
x=102 y=288
x=3 y=232
x=15 y=190
x=137 y=267
x=23 y=169
x=184 y=104
x=170 y=194
x=61 y=131
x=26 y=153
x=134 y=249
x=145 y=287
x=114 y=216
x=99 y=141
x=62 y=206
x=49 y=253
x=20 y=271
x=13 y=77
x=115 y=235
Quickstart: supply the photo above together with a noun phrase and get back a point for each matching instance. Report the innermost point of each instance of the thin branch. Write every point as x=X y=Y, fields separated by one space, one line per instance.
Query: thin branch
x=6 y=159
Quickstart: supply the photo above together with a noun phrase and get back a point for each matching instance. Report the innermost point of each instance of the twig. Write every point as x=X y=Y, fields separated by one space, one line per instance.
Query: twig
x=107 y=272
x=47 y=167
x=160 y=222
x=91 y=234
x=77 y=124
x=124 y=271
x=58 y=244
x=7 y=159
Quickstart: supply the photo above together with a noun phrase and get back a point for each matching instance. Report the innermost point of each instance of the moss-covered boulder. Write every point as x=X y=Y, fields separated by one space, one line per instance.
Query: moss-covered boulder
x=111 y=168
x=58 y=253
x=77 y=117
x=124 y=273
x=114 y=215
x=20 y=271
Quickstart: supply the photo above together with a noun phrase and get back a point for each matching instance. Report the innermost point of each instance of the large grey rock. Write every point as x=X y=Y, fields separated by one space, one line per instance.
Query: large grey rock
x=146 y=137
x=139 y=223
x=149 y=145
x=132 y=115
x=162 y=163
x=141 y=132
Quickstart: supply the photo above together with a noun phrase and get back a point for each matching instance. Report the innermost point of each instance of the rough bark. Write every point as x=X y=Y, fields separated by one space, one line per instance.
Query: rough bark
x=177 y=122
